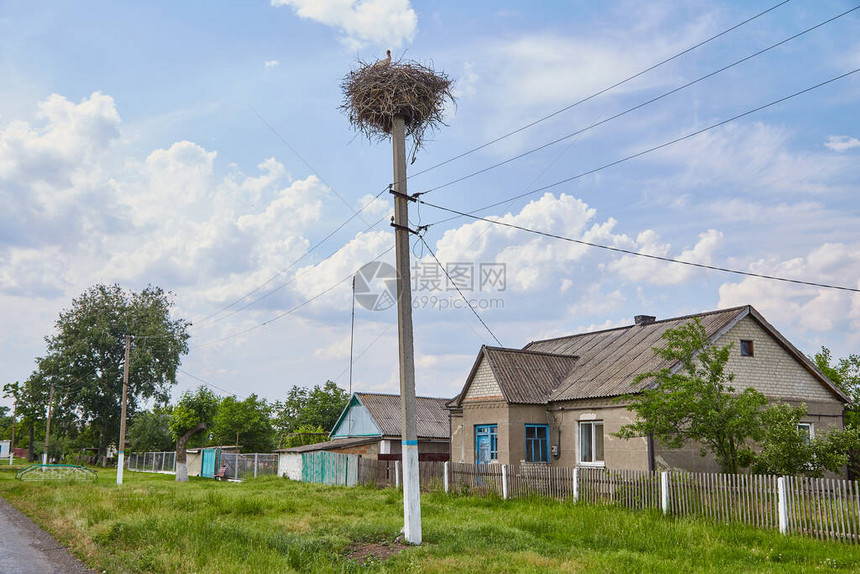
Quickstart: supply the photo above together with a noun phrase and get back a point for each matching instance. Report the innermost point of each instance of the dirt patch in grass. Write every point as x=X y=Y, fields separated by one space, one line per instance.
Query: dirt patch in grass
x=374 y=552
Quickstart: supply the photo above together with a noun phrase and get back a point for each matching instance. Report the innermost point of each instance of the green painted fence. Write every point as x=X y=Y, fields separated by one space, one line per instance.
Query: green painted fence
x=330 y=468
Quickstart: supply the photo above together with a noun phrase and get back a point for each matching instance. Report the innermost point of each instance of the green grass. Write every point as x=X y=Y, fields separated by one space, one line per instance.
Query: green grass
x=153 y=524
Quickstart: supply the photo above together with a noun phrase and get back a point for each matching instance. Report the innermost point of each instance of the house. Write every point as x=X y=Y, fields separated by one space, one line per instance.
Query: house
x=370 y=426
x=556 y=401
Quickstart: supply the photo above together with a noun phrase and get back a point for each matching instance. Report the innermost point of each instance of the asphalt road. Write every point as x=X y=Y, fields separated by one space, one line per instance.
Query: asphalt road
x=27 y=549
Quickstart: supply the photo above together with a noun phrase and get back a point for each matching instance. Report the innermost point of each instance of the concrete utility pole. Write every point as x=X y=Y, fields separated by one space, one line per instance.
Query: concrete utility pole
x=120 y=460
x=14 y=421
x=409 y=442
x=48 y=425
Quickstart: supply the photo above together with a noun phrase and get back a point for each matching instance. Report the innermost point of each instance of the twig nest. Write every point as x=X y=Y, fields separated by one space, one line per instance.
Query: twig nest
x=375 y=93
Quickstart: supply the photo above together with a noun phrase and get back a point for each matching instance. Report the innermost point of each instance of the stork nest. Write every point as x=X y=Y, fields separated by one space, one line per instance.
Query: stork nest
x=373 y=94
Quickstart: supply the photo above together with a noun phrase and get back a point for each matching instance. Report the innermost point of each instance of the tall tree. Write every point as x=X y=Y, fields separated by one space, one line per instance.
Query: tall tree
x=248 y=422
x=150 y=430
x=317 y=407
x=86 y=355
x=697 y=401
x=193 y=413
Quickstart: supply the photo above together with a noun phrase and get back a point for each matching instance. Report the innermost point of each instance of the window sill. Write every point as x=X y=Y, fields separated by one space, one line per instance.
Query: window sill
x=601 y=464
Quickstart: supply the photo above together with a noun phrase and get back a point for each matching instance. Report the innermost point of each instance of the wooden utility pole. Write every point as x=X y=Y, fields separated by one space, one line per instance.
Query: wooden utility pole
x=48 y=425
x=120 y=459
x=409 y=427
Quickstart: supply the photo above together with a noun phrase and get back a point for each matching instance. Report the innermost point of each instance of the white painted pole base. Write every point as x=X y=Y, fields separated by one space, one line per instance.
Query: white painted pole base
x=411 y=494
x=44 y=458
x=664 y=491
x=120 y=463
x=782 y=505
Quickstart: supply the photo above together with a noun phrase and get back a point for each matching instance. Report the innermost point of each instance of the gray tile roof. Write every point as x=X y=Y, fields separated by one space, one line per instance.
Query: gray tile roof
x=331 y=444
x=604 y=363
x=609 y=360
x=385 y=410
x=528 y=376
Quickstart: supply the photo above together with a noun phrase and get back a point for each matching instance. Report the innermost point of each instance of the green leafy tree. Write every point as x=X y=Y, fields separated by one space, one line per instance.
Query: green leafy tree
x=5 y=422
x=304 y=435
x=317 y=407
x=789 y=450
x=86 y=355
x=845 y=374
x=193 y=413
x=150 y=430
x=31 y=398
x=697 y=402
x=248 y=422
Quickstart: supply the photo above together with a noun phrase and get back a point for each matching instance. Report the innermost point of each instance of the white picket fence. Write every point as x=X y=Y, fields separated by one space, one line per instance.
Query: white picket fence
x=828 y=509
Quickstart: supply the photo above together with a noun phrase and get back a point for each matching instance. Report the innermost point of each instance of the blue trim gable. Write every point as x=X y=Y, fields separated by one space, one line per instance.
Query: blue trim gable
x=355 y=421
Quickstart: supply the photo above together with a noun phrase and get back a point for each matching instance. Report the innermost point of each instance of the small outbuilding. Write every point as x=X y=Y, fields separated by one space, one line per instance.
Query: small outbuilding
x=369 y=426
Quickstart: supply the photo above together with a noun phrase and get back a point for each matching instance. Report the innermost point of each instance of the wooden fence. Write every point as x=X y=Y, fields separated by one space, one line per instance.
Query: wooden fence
x=823 y=508
x=827 y=509
x=742 y=498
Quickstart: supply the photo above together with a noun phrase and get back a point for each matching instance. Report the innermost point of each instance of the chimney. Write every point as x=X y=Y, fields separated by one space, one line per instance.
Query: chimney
x=644 y=319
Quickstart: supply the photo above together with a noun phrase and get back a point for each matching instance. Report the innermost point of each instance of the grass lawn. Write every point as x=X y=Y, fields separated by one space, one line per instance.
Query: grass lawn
x=153 y=524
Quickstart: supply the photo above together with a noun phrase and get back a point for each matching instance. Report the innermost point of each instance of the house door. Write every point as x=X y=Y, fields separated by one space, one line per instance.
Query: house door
x=486 y=448
x=210 y=459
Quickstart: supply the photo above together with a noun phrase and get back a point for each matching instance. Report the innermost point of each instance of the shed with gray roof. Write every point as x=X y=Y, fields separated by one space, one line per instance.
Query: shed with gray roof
x=370 y=426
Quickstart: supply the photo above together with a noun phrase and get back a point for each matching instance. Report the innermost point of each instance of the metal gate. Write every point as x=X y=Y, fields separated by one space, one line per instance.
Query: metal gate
x=210 y=462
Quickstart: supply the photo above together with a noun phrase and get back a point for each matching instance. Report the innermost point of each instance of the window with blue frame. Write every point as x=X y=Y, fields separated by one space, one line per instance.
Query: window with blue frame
x=537 y=443
x=486 y=443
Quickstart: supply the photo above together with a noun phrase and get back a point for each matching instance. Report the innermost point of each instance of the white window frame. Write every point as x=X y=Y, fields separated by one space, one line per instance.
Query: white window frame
x=579 y=453
x=810 y=429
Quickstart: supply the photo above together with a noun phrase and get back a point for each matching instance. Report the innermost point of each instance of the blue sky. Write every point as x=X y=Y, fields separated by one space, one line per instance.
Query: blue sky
x=134 y=148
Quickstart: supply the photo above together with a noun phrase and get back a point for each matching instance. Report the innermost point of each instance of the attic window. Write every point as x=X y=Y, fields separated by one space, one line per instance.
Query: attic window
x=746 y=348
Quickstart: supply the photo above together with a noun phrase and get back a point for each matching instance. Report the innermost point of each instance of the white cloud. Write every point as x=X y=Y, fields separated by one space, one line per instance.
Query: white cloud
x=802 y=308
x=364 y=248
x=271 y=63
x=374 y=207
x=841 y=143
x=757 y=156
x=76 y=216
x=531 y=261
x=384 y=23
x=642 y=269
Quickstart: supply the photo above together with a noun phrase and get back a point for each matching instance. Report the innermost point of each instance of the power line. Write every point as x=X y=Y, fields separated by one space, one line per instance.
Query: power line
x=288 y=282
x=310 y=167
x=454 y=283
x=208 y=384
x=638 y=106
x=290 y=310
x=291 y=265
x=651 y=149
x=385 y=331
x=599 y=93
x=639 y=254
